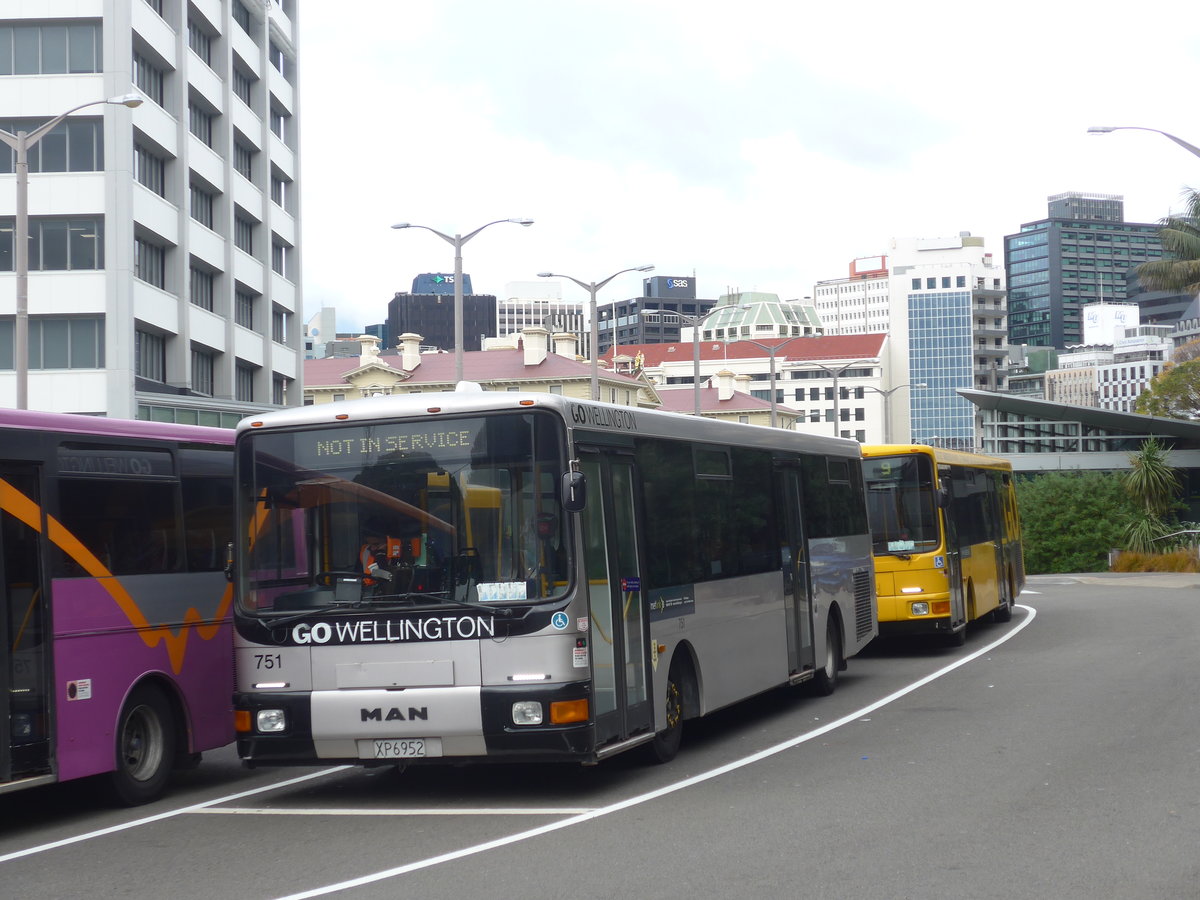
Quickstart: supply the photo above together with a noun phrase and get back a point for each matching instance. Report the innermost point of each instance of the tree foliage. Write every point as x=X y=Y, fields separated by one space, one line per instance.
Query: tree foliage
x=1153 y=486
x=1179 y=271
x=1070 y=520
x=1174 y=393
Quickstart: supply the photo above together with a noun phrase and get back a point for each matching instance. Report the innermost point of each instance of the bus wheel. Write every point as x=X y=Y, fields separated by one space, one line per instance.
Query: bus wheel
x=145 y=748
x=1003 y=612
x=666 y=742
x=827 y=675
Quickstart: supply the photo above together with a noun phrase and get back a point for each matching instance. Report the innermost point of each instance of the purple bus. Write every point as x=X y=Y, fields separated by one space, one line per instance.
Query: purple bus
x=115 y=629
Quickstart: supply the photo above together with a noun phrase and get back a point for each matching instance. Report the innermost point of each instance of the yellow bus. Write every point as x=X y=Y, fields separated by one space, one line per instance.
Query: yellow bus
x=946 y=538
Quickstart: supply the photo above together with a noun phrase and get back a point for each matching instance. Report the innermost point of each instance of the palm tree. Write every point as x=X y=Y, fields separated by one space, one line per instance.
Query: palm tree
x=1180 y=237
x=1152 y=483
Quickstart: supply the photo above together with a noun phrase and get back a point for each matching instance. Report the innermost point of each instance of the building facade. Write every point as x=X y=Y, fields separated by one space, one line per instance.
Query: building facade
x=429 y=311
x=859 y=303
x=948 y=323
x=165 y=267
x=1082 y=252
x=672 y=303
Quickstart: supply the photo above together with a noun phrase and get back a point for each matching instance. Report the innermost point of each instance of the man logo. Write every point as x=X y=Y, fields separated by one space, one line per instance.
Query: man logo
x=395 y=715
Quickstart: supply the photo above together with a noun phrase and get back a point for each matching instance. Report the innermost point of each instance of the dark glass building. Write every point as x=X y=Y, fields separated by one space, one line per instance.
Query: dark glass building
x=673 y=297
x=429 y=312
x=1081 y=253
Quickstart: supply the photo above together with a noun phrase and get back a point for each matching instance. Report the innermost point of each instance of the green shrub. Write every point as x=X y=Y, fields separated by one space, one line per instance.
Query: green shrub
x=1071 y=520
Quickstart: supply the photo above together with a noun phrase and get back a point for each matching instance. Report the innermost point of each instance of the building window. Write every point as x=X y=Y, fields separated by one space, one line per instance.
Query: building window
x=57 y=342
x=243 y=308
x=916 y=284
x=279 y=123
x=56 y=244
x=279 y=390
x=150 y=262
x=279 y=319
x=51 y=49
x=277 y=59
x=202 y=206
x=243 y=86
x=279 y=258
x=150 y=352
x=930 y=284
x=243 y=234
x=960 y=281
x=243 y=160
x=946 y=281
x=244 y=383
x=148 y=78
x=150 y=169
x=241 y=15
x=200 y=42
x=279 y=189
x=200 y=288
x=202 y=372
x=200 y=123
x=76 y=145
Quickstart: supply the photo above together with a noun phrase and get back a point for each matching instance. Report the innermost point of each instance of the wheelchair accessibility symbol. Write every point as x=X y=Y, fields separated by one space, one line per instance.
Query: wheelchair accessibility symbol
x=559 y=620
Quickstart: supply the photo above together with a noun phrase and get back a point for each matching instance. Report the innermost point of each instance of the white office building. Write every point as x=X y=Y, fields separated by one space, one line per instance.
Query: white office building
x=164 y=264
x=537 y=304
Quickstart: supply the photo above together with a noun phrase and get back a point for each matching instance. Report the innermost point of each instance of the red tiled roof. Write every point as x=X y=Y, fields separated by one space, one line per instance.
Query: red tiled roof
x=837 y=346
x=682 y=400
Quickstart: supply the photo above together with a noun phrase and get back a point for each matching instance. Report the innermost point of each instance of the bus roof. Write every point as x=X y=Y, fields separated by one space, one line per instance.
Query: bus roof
x=74 y=423
x=583 y=414
x=940 y=454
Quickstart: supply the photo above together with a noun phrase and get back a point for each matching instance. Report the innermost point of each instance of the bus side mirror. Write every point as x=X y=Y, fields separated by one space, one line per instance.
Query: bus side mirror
x=574 y=491
x=229 y=561
x=943 y=497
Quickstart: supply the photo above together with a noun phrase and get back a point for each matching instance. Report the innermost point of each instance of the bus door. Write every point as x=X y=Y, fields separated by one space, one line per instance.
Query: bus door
x=958 y=603
x=618 y=633
x=24 y=629
x=797 y=593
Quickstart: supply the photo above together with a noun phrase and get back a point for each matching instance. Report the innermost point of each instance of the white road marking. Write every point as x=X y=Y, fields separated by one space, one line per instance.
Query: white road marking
x=668 y=789
x=482 y=811
x=53 y=845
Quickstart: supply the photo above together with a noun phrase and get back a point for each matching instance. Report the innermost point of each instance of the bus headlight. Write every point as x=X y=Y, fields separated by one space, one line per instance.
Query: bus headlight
x=920 y=609
x=271 y=721
x=527 y=712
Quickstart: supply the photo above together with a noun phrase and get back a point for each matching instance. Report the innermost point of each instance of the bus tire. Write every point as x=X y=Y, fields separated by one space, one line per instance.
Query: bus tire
x=145 y=748
x=666 y=743
x=825 y=681
x=1003 y=612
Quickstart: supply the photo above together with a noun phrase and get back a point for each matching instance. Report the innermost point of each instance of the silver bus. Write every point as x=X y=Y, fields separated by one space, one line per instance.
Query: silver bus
x=470 y=576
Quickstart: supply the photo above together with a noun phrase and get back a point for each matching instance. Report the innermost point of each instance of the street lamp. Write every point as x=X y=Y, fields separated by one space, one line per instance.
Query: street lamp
x=21 y=142
x=836 y=373
x=771 y=351
x=693 y=322
x=1105 y=129
x=457 y=241
x=591 y=287
x=887 y=399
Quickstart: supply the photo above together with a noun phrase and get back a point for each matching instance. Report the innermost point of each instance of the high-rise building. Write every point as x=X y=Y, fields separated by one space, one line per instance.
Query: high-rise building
x=859 y=303
x=1081 y=253
x=530 y=304
x=671 y=298
x=164 y=266
x=948 y=315
x=428 y=311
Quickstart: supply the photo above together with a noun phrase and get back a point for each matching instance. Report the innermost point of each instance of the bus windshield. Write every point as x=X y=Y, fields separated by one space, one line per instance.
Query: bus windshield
x=900 y=504
x=403 y=514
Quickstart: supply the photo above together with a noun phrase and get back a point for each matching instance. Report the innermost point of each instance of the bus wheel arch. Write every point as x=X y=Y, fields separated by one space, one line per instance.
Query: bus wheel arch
x=681 y=702
x=834 y=660
x=148 y=735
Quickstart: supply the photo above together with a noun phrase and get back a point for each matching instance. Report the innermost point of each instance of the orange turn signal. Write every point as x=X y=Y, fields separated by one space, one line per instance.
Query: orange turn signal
x=941 y=607
x=241 y=720
x=563 y=712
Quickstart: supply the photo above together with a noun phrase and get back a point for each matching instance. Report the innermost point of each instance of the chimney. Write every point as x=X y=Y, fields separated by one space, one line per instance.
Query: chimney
x=725 y=385
x=534 y=342
x=565 y=344
x=410 y=351
x=741 y=384
x=370 y=348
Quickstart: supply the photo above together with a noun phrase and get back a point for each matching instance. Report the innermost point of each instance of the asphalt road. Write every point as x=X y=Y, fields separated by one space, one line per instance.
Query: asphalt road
x=1056 y=756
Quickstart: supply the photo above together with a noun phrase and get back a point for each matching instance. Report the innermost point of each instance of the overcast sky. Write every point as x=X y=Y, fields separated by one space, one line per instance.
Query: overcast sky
x=754 y=145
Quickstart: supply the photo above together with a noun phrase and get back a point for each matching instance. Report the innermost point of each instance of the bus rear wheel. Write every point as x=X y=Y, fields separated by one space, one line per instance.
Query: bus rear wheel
x=145 y=748
x=1003 y=612
x=827 y=675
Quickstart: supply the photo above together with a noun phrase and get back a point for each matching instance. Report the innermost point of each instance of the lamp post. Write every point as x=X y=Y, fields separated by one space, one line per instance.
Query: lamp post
x=836 y=373
x=1105 y=129
x=591 y=287
x=887 y=399
x=771 y=351
x=456 y=242
x=21 y=142
x=693 y=322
